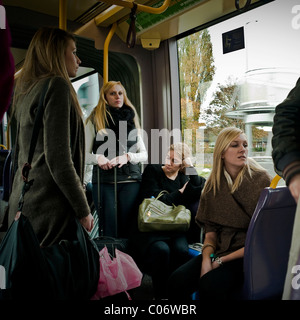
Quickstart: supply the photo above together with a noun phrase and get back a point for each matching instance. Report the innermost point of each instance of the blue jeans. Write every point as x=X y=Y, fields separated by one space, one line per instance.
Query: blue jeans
x=127 y=207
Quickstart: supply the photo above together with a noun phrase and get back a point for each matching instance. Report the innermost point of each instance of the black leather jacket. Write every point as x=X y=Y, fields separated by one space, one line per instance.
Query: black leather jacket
x=286 y=135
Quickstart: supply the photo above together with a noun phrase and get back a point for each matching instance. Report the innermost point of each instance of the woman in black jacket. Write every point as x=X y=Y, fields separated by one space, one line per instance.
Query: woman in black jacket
x=286 y=157
x=113 y=140
x=286 y=140
x=159 y=253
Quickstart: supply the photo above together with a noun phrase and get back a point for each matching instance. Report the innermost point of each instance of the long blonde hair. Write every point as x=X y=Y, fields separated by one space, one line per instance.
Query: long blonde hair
x=45 y=58
x=100 y=113
x=225 y=137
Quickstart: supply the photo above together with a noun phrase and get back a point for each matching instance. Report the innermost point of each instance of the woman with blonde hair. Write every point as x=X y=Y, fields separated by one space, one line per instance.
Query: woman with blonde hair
x=113 y=140
x=57 y=195
x=160 y=253
x=227 y=204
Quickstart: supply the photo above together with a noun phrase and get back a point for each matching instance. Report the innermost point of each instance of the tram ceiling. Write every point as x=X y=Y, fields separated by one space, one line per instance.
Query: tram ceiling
x=180 y=16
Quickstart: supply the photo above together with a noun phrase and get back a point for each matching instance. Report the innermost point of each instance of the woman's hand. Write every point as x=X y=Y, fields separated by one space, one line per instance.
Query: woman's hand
x=187 y=162
x=119 y=161
x=294 y=187
x=103 y=162
x=87 y=222
x=206 y=267
x=183 y=188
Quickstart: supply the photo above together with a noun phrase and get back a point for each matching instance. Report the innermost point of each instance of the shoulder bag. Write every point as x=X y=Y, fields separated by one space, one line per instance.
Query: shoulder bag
x=154 y=215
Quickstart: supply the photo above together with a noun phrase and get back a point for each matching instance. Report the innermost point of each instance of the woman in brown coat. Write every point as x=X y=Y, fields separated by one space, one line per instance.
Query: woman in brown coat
x=227 y=204
x=57 y=194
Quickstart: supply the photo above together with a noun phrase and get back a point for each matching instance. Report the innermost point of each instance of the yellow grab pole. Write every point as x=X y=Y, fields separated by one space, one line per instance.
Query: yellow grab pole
x=140 y=7
x=127 y=4
x=275 y=181
x=105 y=52
x=63 y=14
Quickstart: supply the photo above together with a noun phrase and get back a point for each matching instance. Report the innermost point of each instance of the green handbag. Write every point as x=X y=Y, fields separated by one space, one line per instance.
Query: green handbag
x=154 y=215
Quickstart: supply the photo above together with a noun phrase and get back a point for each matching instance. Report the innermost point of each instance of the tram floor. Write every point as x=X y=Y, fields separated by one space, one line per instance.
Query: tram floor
x=143 y=292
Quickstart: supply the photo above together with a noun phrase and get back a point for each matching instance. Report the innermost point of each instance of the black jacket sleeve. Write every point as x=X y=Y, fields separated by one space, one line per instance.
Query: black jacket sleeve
x=194 y=188
x=286 y=135
x=154 y=181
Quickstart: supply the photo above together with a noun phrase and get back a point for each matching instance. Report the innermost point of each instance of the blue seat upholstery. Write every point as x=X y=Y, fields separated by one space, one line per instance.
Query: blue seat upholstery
x=267 y=245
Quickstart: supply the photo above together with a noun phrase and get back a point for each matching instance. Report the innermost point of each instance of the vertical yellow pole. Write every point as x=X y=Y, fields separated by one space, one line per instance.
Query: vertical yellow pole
x=63 y=14
x=105 y=52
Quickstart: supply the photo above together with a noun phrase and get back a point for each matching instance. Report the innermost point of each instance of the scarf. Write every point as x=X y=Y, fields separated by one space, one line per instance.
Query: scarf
x=229 y=214
x=120 y=114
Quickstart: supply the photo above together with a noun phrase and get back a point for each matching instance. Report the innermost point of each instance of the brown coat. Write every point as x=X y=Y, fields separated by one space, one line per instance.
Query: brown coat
x=229 y=214
x=57 y=193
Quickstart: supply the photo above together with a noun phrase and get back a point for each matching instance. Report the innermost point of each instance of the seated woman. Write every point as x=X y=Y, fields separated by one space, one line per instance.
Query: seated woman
x=159 y=253
x=227 y=204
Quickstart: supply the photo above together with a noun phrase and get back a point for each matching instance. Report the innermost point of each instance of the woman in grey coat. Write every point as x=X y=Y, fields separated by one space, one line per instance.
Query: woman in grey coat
x=57 y=194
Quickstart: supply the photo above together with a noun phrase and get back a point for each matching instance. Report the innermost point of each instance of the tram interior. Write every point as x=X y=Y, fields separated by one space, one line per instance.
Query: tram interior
x=149 y=70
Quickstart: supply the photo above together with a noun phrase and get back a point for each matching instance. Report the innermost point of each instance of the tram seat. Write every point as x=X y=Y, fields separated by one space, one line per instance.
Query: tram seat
x=267 y=245
x=194 y=234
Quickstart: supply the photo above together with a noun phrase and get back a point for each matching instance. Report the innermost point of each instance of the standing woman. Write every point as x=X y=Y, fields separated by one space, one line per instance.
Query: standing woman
x=57 y=195
x=113 y=140
x=227 y=204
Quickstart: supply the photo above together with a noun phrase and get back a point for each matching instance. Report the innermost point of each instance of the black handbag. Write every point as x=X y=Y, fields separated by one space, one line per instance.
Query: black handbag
x=67 y=270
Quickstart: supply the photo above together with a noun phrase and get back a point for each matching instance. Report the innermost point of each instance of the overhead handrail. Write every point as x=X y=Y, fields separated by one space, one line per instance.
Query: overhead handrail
x=135 y=7
x=246 y=6
x=131 y=35
x=140 y=7
x=105 y=52
x=63 y=14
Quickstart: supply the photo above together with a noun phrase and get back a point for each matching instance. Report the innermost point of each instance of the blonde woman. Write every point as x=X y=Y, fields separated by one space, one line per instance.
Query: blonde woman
x=160 y=253
x=227 y=204
x=57 y=194
x=113 y=140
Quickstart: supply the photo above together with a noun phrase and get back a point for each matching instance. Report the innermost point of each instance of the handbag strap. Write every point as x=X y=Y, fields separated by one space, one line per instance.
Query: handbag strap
x=36 y=128
x=161 y=194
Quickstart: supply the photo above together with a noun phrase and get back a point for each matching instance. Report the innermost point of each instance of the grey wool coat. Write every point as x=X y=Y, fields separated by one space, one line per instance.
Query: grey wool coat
x=57 y=194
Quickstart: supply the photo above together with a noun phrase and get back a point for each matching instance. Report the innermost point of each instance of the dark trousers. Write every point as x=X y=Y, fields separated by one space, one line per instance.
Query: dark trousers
x=162 y=258
x=126 y=203
x=221 y=283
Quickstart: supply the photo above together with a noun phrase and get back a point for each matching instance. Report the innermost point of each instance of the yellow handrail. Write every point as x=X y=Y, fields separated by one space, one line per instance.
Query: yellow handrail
x=63 y=14
x=128 y=4
x=105 y=52
x=140 y=7
x=275 y=181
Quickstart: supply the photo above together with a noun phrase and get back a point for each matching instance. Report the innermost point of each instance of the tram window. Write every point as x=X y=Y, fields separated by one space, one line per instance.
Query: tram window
x=242 y=87
x=87 y=89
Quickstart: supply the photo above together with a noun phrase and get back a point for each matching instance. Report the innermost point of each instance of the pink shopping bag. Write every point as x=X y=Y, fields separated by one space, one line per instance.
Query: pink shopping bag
x=117 y=274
